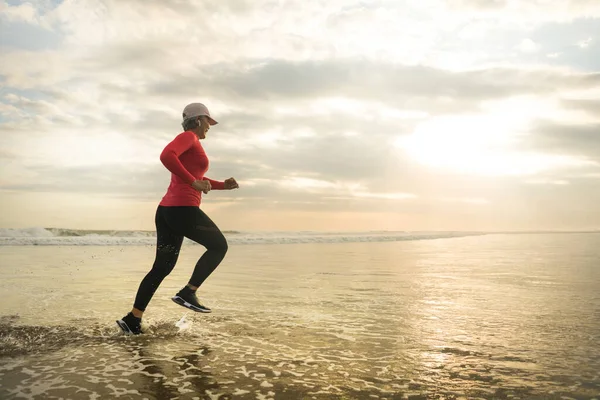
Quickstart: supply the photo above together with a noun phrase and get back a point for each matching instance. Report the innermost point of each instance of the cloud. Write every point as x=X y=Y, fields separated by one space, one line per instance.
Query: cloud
x=270 y=128
x=359 y=79
x=590 y=107
x=561 y=138
x=265 y=80
x=25 y=12
x=470 y=201
x=584 y=44
x=120 y=180
x=311 y=98
x=547 y=181
x=521 y=11
x=149 y=183
x=528 y=46
x=7 y=155
x=337 y=94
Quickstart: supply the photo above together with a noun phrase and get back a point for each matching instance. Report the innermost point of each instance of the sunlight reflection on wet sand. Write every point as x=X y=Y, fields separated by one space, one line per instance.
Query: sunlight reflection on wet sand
x=487 y=317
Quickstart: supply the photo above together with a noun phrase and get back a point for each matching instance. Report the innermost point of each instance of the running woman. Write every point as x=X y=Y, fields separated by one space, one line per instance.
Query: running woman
x=178 y=215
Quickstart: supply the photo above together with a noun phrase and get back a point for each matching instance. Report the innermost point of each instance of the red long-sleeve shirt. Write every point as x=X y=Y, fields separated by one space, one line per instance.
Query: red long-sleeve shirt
x=187 y=161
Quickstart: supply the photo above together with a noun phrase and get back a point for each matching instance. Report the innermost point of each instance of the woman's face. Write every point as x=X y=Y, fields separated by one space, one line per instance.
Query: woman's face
x=204 y=126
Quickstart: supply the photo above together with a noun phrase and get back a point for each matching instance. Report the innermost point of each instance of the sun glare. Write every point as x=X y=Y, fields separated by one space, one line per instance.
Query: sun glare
x=484 y=144
x=364 y=109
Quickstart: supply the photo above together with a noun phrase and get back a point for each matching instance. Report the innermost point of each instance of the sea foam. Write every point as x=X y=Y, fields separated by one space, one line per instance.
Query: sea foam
x=38 y=236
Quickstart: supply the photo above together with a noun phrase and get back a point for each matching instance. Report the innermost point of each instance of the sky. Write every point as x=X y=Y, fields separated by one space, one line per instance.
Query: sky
x=333 y=115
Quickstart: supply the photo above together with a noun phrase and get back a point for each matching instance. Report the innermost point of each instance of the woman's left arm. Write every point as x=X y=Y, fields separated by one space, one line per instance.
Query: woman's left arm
x=215 y=185
x=227 y=184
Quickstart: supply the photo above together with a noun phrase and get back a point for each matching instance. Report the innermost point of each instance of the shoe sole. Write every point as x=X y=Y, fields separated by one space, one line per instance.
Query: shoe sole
x=183 y=303
x=124 y=327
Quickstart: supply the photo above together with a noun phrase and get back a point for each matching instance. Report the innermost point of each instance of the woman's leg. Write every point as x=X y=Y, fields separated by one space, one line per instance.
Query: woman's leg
x=168 y=245
x=194 y=224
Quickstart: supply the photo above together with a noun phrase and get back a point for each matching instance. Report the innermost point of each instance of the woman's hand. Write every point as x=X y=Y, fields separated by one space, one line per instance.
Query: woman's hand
x=201 y=186
x=231 y=184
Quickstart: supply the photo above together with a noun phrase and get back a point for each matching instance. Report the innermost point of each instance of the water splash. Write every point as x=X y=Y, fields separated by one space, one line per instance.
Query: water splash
x=184 y=324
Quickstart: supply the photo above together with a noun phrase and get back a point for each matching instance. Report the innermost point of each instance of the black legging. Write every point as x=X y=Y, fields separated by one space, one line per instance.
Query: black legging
x=172 y=225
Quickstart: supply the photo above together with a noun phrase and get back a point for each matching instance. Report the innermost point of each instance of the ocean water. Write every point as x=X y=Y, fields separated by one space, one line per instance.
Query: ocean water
x=38 y=236
x=336 y=316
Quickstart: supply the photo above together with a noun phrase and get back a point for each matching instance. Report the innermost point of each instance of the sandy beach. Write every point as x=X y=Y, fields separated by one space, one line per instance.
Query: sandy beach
x=491 y=316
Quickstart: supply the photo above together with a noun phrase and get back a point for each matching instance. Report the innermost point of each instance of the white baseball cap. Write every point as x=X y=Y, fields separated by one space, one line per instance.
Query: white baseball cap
x=197 y=110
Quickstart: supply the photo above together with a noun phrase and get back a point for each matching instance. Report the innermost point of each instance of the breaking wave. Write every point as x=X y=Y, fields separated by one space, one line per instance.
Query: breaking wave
x=38 y=236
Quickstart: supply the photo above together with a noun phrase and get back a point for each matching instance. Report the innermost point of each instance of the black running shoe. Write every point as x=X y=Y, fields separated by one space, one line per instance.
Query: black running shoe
x=187 y=298
x=130 y=324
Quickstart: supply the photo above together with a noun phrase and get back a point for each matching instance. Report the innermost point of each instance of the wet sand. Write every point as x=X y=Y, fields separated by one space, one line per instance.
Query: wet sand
x=498 y=316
